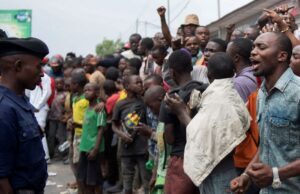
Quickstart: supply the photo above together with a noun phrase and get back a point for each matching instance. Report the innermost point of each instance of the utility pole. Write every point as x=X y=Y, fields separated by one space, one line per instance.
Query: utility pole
x=146 y=23
x=137 y=25
x=219 y=16
x=219 y=9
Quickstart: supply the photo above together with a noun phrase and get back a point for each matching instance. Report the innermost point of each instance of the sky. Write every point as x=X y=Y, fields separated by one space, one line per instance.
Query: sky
x=78 y=26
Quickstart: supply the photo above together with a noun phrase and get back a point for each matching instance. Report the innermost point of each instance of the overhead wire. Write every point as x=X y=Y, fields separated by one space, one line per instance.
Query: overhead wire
x=141 y=13
x=180 y=12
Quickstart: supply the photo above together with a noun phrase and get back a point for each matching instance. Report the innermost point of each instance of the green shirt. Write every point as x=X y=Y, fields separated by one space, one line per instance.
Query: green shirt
x=92 y=122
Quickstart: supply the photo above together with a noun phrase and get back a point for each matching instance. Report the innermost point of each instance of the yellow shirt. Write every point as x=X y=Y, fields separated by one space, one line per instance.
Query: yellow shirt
x=123 y=95
x=80 y=104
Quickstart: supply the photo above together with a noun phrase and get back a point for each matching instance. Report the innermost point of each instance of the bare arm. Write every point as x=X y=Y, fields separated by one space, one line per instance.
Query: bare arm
x=240 y=184
x=179 y=108
x=290 y=170
x=99 y=138
x=164 y=27
x=169 y=134
x=116 y=127
x=292 y=38
x=283 y=27
x=229 y=31
x=184 y=118
x=254 y=160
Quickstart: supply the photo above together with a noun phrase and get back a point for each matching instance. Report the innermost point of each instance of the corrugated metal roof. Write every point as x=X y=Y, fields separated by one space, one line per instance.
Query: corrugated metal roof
x=242 y=13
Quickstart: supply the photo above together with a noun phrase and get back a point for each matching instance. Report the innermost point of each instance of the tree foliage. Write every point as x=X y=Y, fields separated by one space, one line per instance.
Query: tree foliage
x=108 y=47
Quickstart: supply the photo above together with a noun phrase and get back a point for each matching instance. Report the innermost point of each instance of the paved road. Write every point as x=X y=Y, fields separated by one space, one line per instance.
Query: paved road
x=60 y=180
x=58 y=184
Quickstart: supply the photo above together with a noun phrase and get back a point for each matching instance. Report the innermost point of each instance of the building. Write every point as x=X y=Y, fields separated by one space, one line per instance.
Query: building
x=245 y=16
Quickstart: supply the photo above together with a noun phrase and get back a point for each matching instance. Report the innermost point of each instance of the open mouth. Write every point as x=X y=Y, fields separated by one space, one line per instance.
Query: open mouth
x=206 y=58
x=255 y=64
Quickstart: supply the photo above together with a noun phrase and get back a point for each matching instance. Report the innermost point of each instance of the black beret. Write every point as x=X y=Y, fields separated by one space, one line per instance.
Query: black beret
x=14 y=46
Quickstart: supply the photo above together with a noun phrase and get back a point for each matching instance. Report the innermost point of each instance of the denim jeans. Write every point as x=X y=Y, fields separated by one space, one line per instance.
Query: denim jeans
x=218 y=182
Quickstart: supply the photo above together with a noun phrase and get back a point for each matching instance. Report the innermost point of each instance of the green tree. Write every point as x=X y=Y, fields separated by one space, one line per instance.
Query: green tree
x=107 y=47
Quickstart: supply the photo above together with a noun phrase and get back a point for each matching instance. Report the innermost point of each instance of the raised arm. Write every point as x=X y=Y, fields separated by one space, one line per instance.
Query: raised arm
x=282 y=26
x=164 y=26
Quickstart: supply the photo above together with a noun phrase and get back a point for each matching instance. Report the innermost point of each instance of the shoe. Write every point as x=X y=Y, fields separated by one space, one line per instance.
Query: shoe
x=115 y=189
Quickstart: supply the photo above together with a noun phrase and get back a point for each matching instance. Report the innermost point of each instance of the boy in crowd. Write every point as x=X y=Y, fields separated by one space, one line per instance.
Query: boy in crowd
x=79 y=104
x=122 y=95
x=112 y=94
x=153 y=98
x=57 y=127
x=123 y=63
x=111 y=139
x=175 y=132
x=127 y=114
x=113 y=74
x=89 y=174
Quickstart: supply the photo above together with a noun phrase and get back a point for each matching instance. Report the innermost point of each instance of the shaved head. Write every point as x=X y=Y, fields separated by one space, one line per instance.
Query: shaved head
x=154 y=92
x=153 y=97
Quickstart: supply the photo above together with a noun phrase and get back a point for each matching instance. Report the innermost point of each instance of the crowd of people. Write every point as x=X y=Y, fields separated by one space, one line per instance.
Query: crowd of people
x=164 y=114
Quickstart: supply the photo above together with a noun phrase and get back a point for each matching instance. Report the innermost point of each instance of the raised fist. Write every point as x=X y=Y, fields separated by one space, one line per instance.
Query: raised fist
x=161 y=11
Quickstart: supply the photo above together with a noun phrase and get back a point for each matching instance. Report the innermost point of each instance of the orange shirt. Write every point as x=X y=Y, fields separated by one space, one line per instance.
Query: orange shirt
x=245 y=152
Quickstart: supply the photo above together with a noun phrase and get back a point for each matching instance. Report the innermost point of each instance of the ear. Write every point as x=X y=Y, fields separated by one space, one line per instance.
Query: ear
x=236 y=58
x=283 y=56
x=18 y=65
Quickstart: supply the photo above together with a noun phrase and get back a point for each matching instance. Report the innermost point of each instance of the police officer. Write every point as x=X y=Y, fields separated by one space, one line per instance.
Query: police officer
x=23 y=169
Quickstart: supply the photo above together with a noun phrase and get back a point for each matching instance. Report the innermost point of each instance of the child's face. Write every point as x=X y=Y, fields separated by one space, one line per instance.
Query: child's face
x=89 y=68
x=74 y=86
x=122 y=65
x=135 y=85
x=68 y=87
x=126 y=73
x=59 y=84
x=90 y=92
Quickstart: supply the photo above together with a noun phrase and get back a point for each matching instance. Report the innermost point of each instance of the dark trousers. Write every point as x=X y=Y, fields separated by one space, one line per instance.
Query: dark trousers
x=128 y=170
x=56 y=131
x=110 y=156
